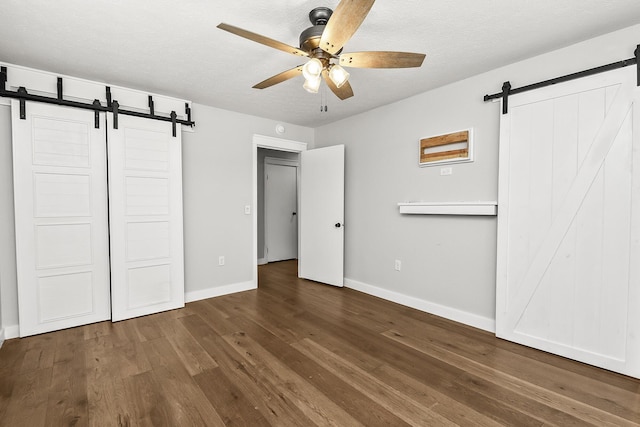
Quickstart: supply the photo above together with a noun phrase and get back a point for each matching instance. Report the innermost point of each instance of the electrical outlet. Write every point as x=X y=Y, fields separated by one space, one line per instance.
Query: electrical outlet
x=398 y=265
x=446 y=171
x=221 y=260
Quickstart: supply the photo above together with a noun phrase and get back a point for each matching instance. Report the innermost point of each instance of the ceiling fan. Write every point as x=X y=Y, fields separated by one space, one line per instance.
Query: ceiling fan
x=323 y=44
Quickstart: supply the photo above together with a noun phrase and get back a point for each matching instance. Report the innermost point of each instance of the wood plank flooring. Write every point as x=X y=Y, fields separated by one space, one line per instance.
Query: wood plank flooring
x=298 y=353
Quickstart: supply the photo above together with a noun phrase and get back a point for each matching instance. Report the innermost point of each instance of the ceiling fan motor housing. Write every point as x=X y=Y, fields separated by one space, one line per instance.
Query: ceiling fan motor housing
x=310 y=38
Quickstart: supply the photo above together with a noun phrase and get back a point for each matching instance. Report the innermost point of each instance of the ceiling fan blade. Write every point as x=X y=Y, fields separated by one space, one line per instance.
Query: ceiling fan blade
x=345 y=20
x=262 y=39
x=343 y=92
x=381 y=59
x=279 y=78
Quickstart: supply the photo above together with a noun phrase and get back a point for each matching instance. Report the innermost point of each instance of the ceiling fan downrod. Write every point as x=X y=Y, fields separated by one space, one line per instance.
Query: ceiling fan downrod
x=320 y=15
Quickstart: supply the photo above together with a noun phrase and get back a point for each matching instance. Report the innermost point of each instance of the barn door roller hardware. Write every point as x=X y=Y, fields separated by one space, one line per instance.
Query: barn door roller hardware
x=112 y=106
x=507 y=90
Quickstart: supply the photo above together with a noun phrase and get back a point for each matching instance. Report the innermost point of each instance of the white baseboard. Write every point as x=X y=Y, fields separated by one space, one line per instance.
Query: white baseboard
x=10 y=332
x=219 y=291
x=456 y=315
x=262 y=261
x=1 y=337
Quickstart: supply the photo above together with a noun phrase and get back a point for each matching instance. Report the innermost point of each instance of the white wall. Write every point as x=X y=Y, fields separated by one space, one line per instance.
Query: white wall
x=2 y=335
x=217 y=183
x=448 y=263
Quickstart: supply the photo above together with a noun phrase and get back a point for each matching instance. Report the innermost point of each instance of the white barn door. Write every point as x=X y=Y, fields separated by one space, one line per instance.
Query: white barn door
x=60 y=194
x=568 y=274
x=145 y=207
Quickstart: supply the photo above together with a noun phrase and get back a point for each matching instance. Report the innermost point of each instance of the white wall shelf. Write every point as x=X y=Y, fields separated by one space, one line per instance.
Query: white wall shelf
x=449 y=208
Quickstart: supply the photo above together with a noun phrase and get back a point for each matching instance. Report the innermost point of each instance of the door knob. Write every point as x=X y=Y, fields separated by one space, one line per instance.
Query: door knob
x=338 y=225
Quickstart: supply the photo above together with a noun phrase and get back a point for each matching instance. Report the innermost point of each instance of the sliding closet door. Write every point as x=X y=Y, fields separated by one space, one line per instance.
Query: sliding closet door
x=60 y=195
x=569 y=221
x=145 y=207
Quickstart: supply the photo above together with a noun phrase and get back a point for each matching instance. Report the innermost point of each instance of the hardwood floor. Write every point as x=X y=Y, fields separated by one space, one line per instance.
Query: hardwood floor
x=298 y=353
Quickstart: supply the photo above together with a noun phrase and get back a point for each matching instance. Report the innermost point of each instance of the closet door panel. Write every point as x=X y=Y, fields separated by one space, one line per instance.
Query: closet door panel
x=60 y=192
x=145 y=205
x=568 y=274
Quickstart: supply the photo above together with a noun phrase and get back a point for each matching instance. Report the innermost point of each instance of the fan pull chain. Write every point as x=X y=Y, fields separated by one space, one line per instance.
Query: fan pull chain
x=323 y=99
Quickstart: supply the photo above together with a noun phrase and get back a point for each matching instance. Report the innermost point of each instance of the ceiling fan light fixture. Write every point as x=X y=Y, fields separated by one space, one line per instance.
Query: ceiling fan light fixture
x=312 y=69
x=323 y=43
x=338 y=75
x=312 y=85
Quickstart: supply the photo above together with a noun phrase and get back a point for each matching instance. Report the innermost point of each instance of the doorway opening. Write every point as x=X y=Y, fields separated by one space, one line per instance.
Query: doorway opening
x=263 y=147
x=321 y=209
x=277 y=210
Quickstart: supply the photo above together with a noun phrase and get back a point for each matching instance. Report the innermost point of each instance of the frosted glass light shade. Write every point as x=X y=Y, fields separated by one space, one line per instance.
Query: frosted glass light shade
x=312 y=85
x=338 y=75
x=312 y=69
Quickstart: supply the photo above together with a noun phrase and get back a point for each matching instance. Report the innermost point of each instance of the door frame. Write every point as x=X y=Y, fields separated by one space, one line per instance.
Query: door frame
x=269 y=142
x=276 y=161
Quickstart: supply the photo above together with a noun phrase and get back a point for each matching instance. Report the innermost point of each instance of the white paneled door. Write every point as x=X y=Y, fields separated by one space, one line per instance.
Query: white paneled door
x=145 y=207
x=322 y=215
x=60 y=195
x=281 y=211
x=568 y=276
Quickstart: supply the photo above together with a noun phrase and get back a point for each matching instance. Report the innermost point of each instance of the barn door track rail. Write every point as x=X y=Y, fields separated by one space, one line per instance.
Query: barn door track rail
x=508 y=90
x=112 y=105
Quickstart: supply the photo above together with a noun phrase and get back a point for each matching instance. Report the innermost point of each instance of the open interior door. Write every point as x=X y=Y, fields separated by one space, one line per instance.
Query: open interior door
x=321 y=255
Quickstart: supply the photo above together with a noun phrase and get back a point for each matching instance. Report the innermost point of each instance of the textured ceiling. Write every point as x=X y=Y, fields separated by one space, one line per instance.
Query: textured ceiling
x=174 y=48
